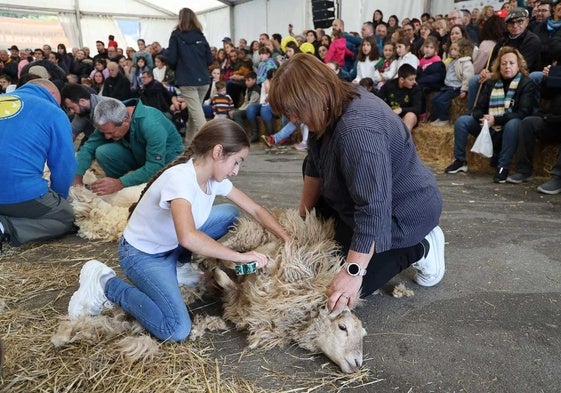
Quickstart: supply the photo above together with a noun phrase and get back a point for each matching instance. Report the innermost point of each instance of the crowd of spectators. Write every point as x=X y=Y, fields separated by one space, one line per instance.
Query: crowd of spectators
x=448 y=56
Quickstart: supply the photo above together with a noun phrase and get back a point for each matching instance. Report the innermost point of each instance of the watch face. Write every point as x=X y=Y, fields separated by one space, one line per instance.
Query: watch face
x=353 y=269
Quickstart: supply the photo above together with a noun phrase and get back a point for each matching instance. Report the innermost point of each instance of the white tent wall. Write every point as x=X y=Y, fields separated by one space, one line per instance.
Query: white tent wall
x=245 y=19
x=355 y=12
x=216 y=26
x=98 y=28
x=270 y=16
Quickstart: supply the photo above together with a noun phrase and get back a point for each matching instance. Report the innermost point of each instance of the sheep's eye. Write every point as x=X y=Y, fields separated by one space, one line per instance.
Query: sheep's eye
x=342 y=327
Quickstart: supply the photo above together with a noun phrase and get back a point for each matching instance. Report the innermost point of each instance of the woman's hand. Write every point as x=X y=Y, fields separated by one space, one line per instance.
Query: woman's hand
x=343 y=291
x=490 y=120
x=484 y=75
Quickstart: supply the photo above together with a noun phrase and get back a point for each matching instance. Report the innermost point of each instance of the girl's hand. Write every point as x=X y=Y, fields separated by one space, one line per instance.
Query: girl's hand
x=254 y=256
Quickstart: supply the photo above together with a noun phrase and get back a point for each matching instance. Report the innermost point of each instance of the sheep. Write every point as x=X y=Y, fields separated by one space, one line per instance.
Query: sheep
x=124 y=198
x=285 y=302
x=101 y=217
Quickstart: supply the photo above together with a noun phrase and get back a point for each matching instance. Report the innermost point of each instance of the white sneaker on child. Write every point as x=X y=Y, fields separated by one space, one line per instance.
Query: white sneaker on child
x=430 y=268
x=90 y=297
x=301 y=146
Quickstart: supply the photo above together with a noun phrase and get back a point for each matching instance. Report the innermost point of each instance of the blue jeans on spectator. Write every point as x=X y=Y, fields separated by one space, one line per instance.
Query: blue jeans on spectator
x=442 y=100
x=473 y=87
x=285 y=132
x=207 y=109
x=466 y=125
x=154 y=299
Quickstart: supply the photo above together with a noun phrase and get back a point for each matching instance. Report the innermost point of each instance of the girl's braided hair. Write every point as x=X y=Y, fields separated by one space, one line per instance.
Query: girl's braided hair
x=225 y=132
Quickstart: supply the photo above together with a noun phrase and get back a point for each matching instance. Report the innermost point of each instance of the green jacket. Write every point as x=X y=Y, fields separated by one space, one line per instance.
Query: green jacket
x=152 y=139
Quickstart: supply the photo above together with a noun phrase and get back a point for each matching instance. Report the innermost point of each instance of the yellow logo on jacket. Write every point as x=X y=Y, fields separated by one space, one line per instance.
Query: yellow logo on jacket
x=10 y=106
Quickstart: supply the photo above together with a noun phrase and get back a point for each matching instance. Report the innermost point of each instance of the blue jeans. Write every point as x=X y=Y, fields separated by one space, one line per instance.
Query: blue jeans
x=466 y=125
x=154 y=299
x=442 y=100
x=473 y=87
x=266 y=113
x=285 y=132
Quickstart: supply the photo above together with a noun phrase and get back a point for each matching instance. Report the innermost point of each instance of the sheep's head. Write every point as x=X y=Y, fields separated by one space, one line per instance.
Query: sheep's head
x=341 y=339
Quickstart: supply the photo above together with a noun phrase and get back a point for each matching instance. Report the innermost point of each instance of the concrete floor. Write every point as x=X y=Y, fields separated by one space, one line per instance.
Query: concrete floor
x=492 y=325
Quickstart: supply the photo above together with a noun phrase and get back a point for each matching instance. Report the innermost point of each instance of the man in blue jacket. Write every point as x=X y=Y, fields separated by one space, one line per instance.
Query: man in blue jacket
x=34 y=131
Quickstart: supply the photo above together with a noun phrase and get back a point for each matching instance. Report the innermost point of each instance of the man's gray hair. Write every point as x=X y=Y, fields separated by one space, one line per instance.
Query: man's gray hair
x=109 y=110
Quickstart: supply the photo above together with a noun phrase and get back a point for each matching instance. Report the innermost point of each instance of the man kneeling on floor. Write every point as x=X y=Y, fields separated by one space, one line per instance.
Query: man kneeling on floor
x=34 y=131
x=132 y=143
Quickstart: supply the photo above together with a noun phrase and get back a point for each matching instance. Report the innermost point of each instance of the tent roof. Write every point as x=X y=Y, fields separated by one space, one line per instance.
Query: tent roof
x=129 y=8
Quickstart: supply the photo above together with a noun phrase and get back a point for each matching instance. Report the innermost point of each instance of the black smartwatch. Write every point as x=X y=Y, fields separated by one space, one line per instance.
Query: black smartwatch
x=354 y=269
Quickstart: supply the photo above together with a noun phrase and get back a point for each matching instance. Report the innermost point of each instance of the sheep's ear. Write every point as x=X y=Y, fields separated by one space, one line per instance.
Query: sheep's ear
x=338 y=311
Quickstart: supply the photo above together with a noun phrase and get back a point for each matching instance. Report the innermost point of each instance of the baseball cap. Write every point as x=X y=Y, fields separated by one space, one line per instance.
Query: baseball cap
x=517 y=13
x=226 y=39
x=13 y=47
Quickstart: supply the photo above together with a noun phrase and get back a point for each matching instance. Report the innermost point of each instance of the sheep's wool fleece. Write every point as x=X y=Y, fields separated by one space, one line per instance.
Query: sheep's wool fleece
x=278 y=303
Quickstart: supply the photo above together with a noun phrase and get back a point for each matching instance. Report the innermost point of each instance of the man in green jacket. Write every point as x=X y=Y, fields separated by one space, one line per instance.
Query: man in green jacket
x=131 y=143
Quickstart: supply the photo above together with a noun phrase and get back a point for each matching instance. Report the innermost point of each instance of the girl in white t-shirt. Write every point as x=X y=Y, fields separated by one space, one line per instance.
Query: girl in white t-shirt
x=175 y=213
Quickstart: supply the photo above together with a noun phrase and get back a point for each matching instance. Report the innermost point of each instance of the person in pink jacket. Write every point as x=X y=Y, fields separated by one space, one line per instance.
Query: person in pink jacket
x=338 y=49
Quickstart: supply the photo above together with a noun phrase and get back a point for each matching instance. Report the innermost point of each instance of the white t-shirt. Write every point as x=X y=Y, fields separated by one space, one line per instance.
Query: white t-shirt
x=150 y=228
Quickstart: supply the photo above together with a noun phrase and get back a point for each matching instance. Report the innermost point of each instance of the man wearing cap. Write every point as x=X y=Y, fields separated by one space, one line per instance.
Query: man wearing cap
x=226 y=40
x=517 y=36
x=14 y=53
x=32 y=208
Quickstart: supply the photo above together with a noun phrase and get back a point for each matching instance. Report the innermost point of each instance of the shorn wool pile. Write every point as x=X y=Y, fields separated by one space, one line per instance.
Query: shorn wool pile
x=101 y=217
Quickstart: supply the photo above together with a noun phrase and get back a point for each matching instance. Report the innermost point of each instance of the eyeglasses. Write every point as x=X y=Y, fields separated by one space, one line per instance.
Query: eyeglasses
x=517 y=22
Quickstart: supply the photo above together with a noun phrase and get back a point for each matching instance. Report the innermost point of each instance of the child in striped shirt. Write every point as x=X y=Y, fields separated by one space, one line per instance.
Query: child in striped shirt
x=221 y=103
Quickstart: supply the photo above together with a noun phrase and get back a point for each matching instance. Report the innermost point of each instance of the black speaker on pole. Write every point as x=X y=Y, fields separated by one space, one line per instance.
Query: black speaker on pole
x=323 y=13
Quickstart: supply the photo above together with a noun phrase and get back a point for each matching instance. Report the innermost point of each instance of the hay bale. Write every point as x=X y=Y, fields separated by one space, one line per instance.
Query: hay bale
x=435 y=146
x=458 y=107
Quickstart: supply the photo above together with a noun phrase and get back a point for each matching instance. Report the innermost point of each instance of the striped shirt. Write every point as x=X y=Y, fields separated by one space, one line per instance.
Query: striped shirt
x=222 y=104
x=373 y=178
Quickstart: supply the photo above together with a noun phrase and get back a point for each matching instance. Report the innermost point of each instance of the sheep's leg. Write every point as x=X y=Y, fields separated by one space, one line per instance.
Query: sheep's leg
x=224 y=280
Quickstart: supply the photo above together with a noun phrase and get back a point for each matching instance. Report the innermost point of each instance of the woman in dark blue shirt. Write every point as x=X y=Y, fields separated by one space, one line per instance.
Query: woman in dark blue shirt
x=362 y=169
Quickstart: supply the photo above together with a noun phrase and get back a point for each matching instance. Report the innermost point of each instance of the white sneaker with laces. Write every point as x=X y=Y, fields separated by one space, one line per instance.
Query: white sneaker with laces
x=188 y=274
x=430 y=269
x=90 y=297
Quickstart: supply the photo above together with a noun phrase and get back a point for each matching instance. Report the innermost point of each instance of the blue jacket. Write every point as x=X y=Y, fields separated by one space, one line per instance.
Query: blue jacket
x=189 y=55
x=33 y=131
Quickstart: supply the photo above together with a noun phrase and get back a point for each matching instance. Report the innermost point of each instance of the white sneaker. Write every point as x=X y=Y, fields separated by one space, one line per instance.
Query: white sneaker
x=188 y=274
x=301 y=146
x=430 y=269
x=440 y=123
x=90 y=298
